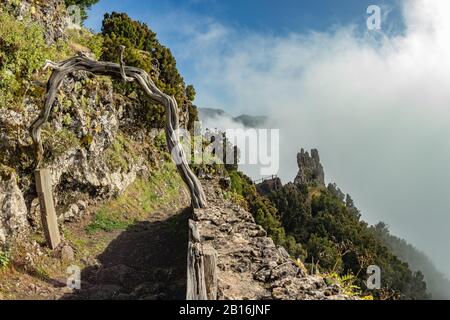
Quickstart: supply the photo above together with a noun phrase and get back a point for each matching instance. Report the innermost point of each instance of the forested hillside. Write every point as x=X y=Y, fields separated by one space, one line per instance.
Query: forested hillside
x=323 y=227
x=437 y=282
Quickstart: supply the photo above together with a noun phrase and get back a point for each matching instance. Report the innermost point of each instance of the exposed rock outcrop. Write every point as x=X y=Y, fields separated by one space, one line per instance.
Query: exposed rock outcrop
x=96 y=144
x=13 y=211
x=310 y=169
x=250 y=265
x=269 y=185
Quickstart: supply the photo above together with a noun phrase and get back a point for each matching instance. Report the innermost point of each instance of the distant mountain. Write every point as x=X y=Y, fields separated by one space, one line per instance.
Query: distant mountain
x=251 y=121
x=248 y=121
x=212 y=113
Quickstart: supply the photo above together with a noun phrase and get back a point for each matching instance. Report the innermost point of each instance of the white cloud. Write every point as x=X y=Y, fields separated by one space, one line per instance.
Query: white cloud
x=378 y=110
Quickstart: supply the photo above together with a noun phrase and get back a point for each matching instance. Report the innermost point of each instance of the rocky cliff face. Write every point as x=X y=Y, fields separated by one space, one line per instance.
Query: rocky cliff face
x=13 y=217
x=310 y=169
x=95 y=146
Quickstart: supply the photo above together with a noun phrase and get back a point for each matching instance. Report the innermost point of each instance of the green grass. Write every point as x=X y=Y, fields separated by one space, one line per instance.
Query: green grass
x=86 y=246
x=107 y=222
x=58 y=142
x=117 y=155
x=138 y=201
x=41 y=273
x=4 y=259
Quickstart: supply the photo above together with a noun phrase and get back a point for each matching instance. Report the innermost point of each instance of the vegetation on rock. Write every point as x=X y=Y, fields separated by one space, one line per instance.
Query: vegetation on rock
x=264 y=212
x=336 y=240
x=316 y=224
x=4 y=259
x=143 y=196
x=23 y=52
x=143 y=50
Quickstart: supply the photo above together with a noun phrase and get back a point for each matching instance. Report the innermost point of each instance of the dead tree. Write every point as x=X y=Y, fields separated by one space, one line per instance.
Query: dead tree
x=83 y=63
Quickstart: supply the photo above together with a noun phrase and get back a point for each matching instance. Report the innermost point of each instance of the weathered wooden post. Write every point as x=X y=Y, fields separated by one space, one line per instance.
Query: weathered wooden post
x=210 y=265
x=48 y=213
x=196 y=285
x=201 y=267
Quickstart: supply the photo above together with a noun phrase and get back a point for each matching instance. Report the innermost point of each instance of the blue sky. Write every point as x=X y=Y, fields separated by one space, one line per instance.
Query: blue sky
x=275 y=18
x=262 y=15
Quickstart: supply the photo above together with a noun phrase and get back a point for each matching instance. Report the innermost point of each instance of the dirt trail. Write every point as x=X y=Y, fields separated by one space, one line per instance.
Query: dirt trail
x=146 y=261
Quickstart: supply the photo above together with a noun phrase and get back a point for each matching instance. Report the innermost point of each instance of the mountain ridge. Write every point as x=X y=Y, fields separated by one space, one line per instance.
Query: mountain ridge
x=211 y=115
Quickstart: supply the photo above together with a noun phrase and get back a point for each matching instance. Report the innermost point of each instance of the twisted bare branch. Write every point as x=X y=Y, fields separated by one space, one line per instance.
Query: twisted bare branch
x=83 y=63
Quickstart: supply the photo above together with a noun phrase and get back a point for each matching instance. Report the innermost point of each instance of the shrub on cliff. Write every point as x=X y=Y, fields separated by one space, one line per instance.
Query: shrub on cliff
x=23 y=52
x=143 y=50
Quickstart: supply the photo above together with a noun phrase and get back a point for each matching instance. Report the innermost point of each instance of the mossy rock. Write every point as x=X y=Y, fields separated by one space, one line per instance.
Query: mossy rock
x=6 y=173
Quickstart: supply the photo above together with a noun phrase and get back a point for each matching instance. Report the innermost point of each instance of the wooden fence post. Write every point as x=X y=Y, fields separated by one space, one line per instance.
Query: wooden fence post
x=210 y=263
x=201 y=267
x=196 y=286
x=48 y=214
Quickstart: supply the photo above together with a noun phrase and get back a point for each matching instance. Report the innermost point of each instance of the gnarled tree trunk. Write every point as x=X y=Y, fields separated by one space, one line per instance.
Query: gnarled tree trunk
x=83 y=63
